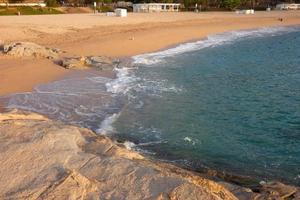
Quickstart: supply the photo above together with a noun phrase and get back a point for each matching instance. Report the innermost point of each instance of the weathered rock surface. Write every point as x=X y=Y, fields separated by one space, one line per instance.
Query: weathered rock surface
x=45 y=159
x=28 y=49
x=97 y=62
x=277 y=190
x=264 y=190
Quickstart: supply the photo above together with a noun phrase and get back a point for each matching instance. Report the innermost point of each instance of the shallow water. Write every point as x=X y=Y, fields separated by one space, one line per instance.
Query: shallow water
x=230 y=103
x=80 y=99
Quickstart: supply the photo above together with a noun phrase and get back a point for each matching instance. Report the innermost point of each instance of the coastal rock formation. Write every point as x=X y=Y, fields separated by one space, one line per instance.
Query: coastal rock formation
x=26 y=49
x=269 y=190
x=97 y=62
x=277 y=190
x=45 y=159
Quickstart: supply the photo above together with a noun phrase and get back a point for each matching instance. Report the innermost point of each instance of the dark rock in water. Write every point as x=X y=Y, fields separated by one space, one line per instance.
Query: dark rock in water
x=69 y=63
x=297 y=195
x=240 y=192
x=269 y=190
x=277 y=190
x=97 y=62
x=28 y=49
x=101 y=62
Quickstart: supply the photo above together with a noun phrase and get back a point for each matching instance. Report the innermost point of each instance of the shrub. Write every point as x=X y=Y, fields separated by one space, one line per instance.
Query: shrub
x=51 y=3
x=29 y=11
x=105 y=9
x=231 y=4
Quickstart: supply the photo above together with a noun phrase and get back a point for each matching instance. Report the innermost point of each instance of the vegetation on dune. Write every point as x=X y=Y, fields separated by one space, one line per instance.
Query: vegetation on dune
x=206 y=5
x=52 y=3
x=28 y=11
x=231 y=4
x=109 y=5
x=105 y=8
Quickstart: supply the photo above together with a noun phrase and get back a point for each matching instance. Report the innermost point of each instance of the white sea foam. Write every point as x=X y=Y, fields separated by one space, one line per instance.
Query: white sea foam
x=124 y=81
x=127 y=82
x=106 y=126
x=190 y=140
x=187 y=139
x=152 y=143
x=210 y=41
x=82 y=101
x=129 y=145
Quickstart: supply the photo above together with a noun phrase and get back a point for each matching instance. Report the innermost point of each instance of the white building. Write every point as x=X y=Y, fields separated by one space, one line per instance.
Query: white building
x=156 y=7
x=288 y=6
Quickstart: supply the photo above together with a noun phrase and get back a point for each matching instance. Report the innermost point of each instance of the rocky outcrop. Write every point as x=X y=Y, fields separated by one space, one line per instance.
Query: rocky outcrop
x=45 y=159
x=269 y=190
x=97 y=62
x=28 y=49
x=277 y=190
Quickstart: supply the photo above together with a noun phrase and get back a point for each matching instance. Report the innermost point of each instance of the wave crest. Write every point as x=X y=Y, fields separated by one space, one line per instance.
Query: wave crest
x=210 y=41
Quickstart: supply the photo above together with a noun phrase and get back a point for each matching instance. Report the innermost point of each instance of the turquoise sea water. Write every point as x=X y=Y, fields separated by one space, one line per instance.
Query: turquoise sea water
x=230 y=102
x=234 y=107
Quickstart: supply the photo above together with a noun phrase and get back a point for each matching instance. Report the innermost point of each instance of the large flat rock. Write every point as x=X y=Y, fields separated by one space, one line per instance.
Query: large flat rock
x=45 y=159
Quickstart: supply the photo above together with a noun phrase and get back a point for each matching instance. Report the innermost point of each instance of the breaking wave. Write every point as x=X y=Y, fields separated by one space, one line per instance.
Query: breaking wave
x=82 y=101
x=210 y=41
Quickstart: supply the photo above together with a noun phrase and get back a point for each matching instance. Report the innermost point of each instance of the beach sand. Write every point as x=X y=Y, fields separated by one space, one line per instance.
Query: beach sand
x=97 y=34
x=22 y=74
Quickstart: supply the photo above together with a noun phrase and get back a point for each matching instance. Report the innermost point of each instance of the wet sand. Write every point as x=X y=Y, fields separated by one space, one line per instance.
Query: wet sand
x=22 y=74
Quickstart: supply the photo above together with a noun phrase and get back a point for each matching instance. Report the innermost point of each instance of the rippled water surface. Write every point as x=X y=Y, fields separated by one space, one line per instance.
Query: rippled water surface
x=230 y=102
x=232 y=107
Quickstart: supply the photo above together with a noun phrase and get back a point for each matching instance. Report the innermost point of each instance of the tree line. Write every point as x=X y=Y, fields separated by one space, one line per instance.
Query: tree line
x=203 y=5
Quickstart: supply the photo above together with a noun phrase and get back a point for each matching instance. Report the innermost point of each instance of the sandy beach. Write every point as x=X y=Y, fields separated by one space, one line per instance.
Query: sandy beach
x=97 y=34
x=20 y=75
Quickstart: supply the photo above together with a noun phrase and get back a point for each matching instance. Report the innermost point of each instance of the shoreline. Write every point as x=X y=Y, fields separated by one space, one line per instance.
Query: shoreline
x=119 y=38
x=23 y=74
x=138 y=33
x=249 y=181
x=134 y=39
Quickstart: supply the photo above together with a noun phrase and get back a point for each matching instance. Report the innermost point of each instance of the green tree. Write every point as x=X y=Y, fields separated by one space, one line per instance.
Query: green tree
x=15 y=1
x=231 y=4
x=51 y=3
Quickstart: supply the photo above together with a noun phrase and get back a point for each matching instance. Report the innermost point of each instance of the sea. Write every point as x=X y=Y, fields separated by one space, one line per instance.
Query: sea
x=229 y=102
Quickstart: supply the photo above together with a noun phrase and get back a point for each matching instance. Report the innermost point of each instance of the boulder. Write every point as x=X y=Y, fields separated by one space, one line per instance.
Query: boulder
x=277 y=190
x=74 y=62
x=97 y=62
x=266 y=190
x=242 y=193
x=28 y=49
